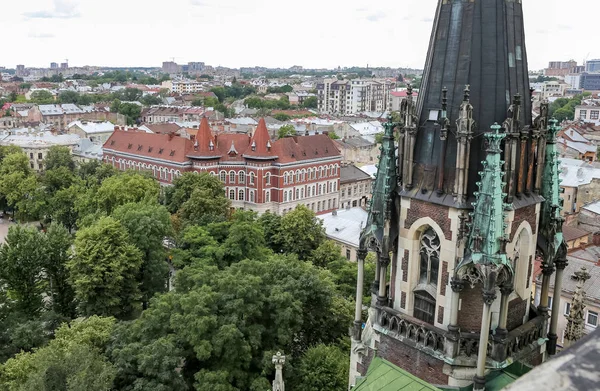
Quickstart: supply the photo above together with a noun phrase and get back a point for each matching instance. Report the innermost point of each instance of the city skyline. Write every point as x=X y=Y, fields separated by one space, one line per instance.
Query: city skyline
x=320 y=35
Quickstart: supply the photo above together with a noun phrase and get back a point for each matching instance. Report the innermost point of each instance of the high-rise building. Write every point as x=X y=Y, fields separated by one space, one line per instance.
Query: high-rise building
x=463 y=203
x=592 y=66
x=20 y=71
x=53 y=65
x=64 y=65
x=170 y=67
x=354 y=96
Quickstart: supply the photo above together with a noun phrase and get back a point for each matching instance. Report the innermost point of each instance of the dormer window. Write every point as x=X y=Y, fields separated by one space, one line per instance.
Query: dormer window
x=160 y=151
x=129 y=146
x=211 y=146
x=254 y=145
x=268 y=145
x=172 y=153
x=139 y=147
x=112 y=142
x=150 y=149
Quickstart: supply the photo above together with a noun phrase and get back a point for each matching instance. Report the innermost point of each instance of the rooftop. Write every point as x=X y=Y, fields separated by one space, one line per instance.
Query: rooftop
x=29 y=139
x=351 y=173
x=591 y=286
x=594 y=207
x=574 y=369
x=572 y=233
x=345 y=225
x=93 y=127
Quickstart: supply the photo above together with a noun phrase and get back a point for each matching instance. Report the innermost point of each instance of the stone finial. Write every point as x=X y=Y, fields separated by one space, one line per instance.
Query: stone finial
x=576 y=321
x=278 y=360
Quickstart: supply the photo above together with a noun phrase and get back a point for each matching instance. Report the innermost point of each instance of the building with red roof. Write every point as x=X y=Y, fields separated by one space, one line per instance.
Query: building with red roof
x=258 y=173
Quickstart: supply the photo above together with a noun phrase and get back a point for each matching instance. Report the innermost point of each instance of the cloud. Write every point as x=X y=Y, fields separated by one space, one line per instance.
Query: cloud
x=41 y=35
x=63 y=9
x=200 y=3
x=427 y=19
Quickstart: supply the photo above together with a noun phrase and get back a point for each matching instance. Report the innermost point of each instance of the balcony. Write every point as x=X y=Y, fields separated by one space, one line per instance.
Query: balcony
x=462 y=348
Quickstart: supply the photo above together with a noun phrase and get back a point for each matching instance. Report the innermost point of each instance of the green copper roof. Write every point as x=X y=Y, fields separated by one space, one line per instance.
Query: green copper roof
x=385 y=376
x=488 y=228
x=550 y=218
x=384 y=186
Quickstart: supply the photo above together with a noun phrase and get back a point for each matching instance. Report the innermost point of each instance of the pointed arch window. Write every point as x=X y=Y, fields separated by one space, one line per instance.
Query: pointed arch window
x=430 y=257
x=241 y=195
x=242 y=177
x=222 y=176
x=424 y=307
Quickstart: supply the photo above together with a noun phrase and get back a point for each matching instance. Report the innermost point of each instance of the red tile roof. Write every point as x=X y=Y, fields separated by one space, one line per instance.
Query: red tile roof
x=298 y=148
x=261 y=146
x=572 y=233
x=164 y=128
x=150 y=145
x=403 y=94
x=205 y=146
x=227 y=146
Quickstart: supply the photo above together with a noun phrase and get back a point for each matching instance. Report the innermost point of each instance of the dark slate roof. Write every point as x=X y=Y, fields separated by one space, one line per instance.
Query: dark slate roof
x=591 y=286
x=350 y=173
x=478 y=43
x=574 y=369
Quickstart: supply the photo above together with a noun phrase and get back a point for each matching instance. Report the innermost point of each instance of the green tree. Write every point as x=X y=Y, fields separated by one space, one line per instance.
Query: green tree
x=327 y=252
x=62 y=207
x=148 y=224
x=56 y=245
x=311 y=102
x=42 y=97
x=149 y=100
x=21 y=268
x=285 y=131
x=124 y=188
x=73 y=361
x=58 y=179
x=59 y=156
x=333 y=136
x=104 y=270
x=183 y=186
x=68 y=97
x=130 y=110
x=215 y=331
x=301 y=232
x=282 y=117
x=19 y=185
x=203 y=207
x=322 y=368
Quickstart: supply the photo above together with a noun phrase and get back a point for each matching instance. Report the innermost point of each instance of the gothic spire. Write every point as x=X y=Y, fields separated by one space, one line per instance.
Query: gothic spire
x=478 y=43
x=384 y=187
x=486 y=243
x=551 y=221
x=575 y=324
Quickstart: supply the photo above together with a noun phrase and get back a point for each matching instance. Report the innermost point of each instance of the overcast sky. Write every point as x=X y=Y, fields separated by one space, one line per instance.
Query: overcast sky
x=272 y=33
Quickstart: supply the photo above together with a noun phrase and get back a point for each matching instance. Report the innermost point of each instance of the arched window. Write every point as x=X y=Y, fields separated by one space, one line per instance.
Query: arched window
x=252 y=177
x=320 y=189
x=322 y=171
x=285 y=195
x=309 y=192
x=222 y=176
x=334 y=186
x=268 y=196
x=252 y=196
x=232 y=194
x=302 y=193
x=303 y=175
x=242 y=177
x=297 y=194
x=326 y=171
x=291 y=177
x=268 y=178
x=297 y=175
x=430 y=257
x=231 y=176
x=241 y=195
x=285 y=179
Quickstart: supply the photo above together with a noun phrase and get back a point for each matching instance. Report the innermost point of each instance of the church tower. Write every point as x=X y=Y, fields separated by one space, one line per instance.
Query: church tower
x=466 y=196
